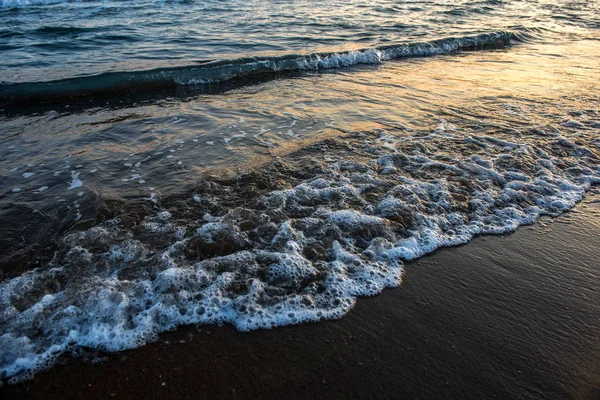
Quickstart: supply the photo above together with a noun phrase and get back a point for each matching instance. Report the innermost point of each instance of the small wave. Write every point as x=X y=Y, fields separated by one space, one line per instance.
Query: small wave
x=28 y=3
x=225 y=70
x=25 y=3
x=343 y=225
x=61 y=30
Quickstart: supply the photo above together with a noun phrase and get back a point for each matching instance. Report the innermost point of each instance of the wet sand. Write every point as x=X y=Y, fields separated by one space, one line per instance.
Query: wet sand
x=514 y=316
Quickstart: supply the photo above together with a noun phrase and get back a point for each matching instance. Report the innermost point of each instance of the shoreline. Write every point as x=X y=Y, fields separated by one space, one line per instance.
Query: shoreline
x=512 y=316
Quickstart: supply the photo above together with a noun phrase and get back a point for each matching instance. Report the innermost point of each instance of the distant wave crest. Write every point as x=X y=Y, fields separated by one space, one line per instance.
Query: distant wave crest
x=225 y=70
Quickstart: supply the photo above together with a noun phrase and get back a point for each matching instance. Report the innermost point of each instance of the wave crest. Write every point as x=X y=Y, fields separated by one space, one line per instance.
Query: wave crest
x=225 y=70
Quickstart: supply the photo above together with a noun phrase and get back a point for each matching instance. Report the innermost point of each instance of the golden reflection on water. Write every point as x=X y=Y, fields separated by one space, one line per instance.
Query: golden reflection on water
x=484 y=87
x=519 y=86
x=418 y=92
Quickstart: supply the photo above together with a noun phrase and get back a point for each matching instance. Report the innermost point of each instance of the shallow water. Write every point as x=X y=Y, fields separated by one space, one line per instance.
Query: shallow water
x=283 y=196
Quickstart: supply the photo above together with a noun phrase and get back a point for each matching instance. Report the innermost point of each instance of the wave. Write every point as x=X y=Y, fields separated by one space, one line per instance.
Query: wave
x=214 y=72
x=33 y=3
x=299 y=240
x=25 y=3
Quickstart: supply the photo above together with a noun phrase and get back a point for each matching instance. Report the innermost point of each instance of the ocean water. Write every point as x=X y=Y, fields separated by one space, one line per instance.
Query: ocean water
x=263 y=163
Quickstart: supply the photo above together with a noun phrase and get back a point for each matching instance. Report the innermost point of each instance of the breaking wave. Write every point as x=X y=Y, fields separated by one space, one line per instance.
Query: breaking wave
x=226 y=70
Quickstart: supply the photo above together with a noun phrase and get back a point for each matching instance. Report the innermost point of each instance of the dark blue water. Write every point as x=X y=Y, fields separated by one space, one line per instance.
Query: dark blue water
x=266 y=163
x=46 y=41
x=55 y=40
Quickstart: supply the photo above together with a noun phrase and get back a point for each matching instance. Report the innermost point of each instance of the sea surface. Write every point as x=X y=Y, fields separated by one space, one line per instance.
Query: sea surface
x=266 y=163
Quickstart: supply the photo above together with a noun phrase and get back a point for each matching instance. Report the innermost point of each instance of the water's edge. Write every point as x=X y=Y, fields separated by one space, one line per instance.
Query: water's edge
x=299 y=240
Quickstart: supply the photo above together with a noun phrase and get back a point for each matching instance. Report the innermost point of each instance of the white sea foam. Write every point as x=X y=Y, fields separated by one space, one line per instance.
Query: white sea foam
x=75 y=182
x=299 y=254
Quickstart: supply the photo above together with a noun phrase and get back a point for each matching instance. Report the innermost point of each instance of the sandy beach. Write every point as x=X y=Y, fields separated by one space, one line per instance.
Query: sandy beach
x=511 y=316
